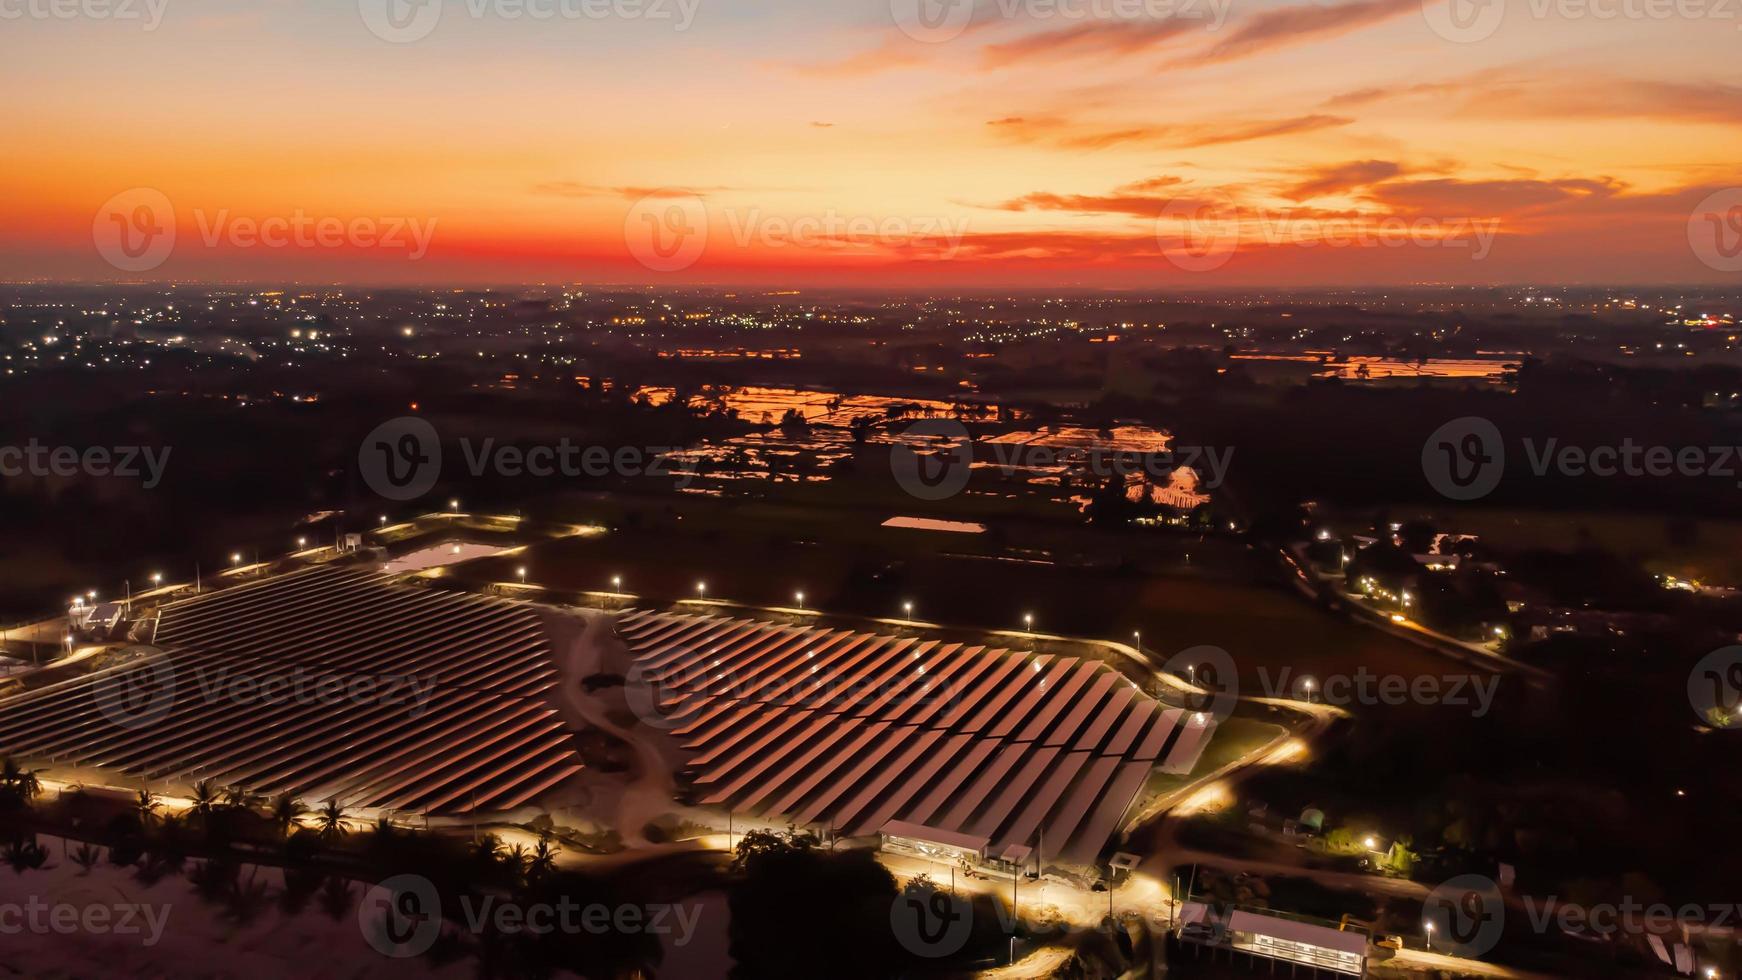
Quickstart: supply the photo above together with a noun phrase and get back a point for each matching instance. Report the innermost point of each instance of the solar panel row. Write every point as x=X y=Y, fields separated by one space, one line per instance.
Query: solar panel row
x=855 y=729
x=326 y=683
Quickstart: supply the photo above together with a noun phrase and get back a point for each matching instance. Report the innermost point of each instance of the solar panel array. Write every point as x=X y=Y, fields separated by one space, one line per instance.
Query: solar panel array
x=313 y=683
x=853 y=730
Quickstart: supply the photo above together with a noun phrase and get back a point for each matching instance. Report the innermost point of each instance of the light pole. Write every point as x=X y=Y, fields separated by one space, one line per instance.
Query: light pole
x=454 y=506
x=1430 y=937
x=1309 y=689
x=799 y=595
x=1028 y=622
x=702 y=590
x=907 y=610
x=521 y=571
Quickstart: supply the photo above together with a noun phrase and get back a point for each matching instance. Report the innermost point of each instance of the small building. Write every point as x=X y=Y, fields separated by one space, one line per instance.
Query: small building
x=1319 y=947
x=933 y=843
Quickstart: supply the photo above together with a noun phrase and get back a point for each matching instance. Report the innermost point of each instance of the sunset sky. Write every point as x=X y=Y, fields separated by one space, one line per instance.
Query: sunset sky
x=820 y=142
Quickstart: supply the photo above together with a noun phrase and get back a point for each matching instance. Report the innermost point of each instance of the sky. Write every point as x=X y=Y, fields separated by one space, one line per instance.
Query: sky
x=1120 y=144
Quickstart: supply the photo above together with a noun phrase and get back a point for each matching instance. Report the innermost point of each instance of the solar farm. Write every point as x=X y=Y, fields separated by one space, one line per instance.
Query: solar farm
x=858 y=731
x=347 y=684
x=324 y=683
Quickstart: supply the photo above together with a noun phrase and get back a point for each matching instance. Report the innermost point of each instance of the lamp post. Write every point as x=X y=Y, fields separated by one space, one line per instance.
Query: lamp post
x=799 y=595
x=521 y=572
x=1430 y=936
x=701 y=590
x=907 y=610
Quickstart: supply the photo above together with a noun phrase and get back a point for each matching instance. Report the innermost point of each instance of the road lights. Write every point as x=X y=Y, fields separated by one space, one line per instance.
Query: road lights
x=799 y=595
x=701 y=590
x=907 y=609
x=521 y=571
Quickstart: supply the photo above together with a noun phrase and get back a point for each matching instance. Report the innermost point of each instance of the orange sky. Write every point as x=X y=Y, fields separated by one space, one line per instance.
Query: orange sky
x=1121 y=143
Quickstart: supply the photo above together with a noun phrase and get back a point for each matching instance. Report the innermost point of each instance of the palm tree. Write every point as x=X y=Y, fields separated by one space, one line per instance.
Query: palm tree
x=205 y=798
x=24 y=854
x=237 y=798
x=487 y=850
x=515 y=860
x=543 y=859
x=15 y=779
x=86 y=857
x=285 y=809
x=330 y=821
x=146 y=805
